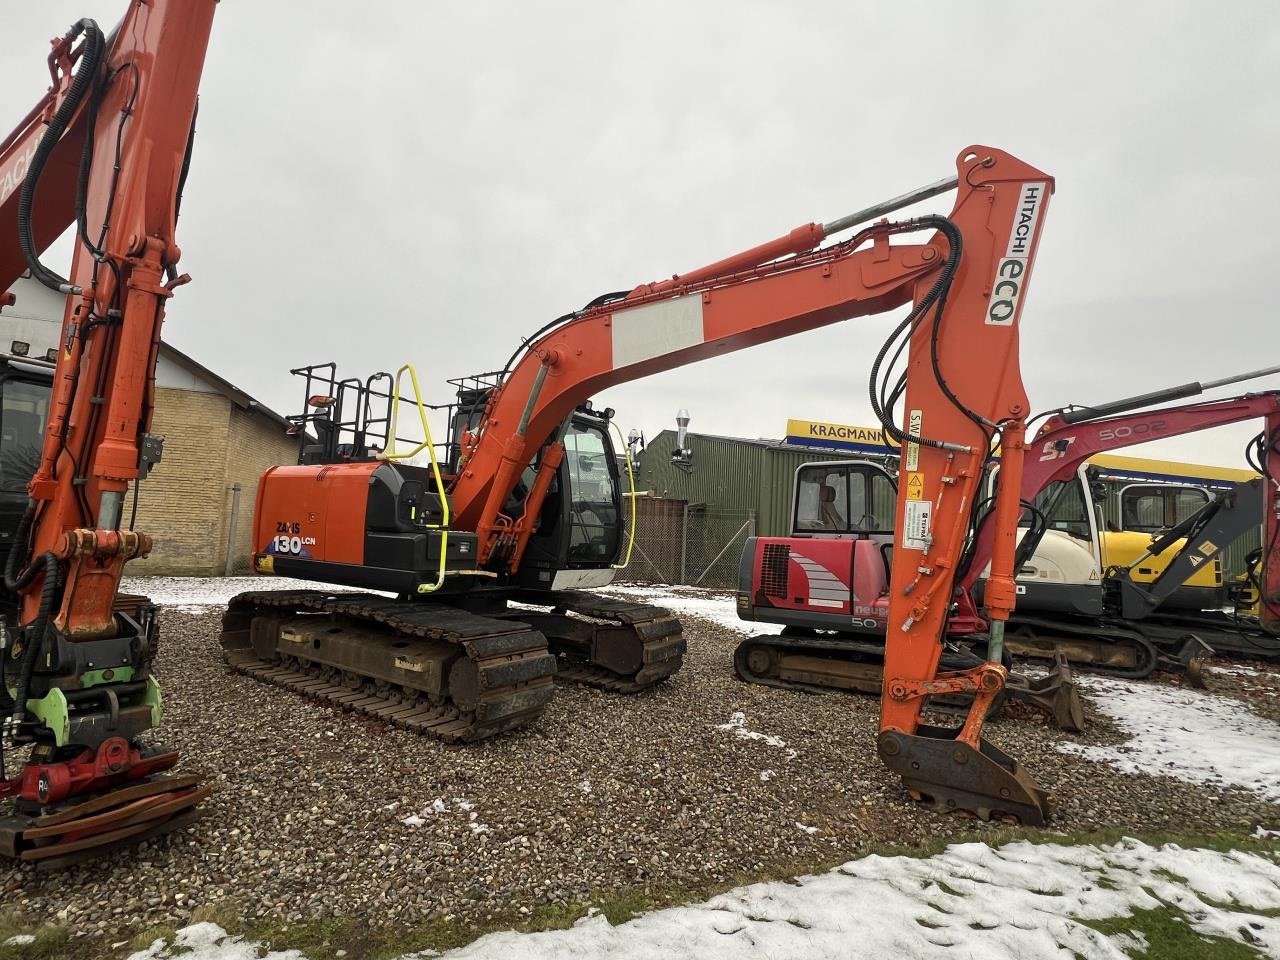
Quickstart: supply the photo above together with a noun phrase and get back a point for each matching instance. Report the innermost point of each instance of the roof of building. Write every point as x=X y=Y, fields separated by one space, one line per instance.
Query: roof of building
x=228 y=389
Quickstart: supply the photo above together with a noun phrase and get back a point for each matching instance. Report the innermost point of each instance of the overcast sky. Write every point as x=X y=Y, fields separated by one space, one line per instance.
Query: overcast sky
x=394 y=181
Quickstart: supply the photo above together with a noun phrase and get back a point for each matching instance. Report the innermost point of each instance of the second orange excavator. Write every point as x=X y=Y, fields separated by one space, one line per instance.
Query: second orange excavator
x=525 y=507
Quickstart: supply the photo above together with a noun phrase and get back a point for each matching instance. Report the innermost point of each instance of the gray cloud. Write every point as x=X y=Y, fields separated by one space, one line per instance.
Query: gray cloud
x=429 y=181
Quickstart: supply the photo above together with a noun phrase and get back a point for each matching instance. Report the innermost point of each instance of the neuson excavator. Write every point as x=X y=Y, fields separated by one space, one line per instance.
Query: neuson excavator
x=498 y=523
x=827 y=583
x=105 y=151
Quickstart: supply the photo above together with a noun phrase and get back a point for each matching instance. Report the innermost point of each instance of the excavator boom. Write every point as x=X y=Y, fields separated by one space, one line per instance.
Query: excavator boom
x=962 y=392
x=106 y=151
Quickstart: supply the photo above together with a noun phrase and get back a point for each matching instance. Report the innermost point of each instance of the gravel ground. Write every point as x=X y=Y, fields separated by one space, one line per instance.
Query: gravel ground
x=704 y=781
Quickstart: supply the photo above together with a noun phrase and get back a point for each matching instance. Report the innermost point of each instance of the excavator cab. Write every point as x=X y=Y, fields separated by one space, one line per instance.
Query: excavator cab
x=579 y=532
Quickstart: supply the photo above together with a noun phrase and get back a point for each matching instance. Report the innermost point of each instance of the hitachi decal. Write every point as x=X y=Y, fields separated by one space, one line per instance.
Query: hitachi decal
x=12 y=177
x=1011 y=273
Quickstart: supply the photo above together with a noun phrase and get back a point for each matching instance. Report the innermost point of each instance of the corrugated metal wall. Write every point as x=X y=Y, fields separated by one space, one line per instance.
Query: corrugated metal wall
x=746 y=475
x=730 y=474
x=726 y=473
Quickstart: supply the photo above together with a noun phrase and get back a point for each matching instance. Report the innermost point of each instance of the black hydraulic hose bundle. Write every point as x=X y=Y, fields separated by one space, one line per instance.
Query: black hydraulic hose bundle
x=91 y=59
x=882 y=400
x=35 y=634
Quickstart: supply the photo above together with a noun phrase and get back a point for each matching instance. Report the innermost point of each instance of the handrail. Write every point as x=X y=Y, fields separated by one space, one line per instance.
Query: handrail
x=631 y=483
x=429 y=445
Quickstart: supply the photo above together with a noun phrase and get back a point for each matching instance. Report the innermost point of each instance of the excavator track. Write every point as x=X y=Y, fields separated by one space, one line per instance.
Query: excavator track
x=427 y=667
x=1100 y=646
x=616 y=645
x=802 y=661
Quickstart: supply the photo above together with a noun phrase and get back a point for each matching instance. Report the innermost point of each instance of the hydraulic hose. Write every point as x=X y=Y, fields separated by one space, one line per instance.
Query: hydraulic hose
x=14 y=581
x=35 y=638
x=91 y=59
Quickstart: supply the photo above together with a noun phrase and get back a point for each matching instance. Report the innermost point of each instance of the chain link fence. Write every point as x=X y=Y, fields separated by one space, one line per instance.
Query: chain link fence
x=691 y=544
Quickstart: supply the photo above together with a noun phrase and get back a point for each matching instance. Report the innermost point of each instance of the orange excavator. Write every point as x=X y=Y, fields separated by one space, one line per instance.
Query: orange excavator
x=105 y=151
x=474 y=554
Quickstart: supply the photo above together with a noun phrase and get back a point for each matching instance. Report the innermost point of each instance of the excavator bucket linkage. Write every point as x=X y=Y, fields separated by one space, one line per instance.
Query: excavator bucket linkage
x=939 y=769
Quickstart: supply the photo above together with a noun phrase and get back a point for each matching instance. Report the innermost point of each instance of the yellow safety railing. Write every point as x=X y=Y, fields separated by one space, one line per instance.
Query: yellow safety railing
x=631 y=483
x=429 y=445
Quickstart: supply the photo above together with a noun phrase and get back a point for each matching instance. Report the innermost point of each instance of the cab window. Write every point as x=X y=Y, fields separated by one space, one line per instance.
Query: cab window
x=23 y=411
x=850 y=498
x=593 y=523
x=1151 y=508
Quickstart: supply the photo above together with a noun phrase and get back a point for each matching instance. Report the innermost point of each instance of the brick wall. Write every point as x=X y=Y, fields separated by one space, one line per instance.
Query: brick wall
x=181 y=503
x=210 y=443
x=256 y=442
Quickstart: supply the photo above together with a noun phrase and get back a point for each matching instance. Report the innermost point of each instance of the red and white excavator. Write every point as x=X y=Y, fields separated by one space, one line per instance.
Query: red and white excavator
x=107 y=150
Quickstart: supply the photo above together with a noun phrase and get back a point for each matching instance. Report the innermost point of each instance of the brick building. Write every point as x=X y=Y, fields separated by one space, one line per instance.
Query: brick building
x=217 y=442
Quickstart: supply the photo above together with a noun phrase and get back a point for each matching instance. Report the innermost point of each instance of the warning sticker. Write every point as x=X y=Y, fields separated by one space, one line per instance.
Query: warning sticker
x=917 y=525
x=915 y=423
x=1208 y=548
x=915 y=486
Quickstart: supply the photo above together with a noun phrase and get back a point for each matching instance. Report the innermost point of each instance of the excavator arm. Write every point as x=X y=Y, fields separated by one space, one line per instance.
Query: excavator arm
x=963 y=390
x=777 y=289
x=106 y=152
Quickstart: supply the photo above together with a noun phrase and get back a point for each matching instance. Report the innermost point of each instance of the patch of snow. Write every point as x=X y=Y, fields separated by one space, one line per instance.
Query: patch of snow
x=1187 y=734
x=439 y=807
x=719 y=608
x=806 y=828
x=20 y=940
x=1238 y=671
x=1262 y=833
x=585 y=786
x=766 y=776
x=1022 y=901
x=208 y=941
x=1135 y=941
x=198 y=594
x=738 y=724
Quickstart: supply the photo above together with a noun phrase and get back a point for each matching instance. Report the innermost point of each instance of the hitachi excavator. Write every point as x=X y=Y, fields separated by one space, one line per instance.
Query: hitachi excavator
x=827 y=583
x=503 y=520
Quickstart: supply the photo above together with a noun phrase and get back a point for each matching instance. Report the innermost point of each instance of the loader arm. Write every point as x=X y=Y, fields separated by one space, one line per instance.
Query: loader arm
x=106 y=151
x=1207 y=532
x=1060 y=447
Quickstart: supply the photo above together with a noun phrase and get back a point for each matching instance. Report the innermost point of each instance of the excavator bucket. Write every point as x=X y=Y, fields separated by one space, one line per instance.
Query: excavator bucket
x=940 y=770
x=1055 y=693
x=84 y=828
